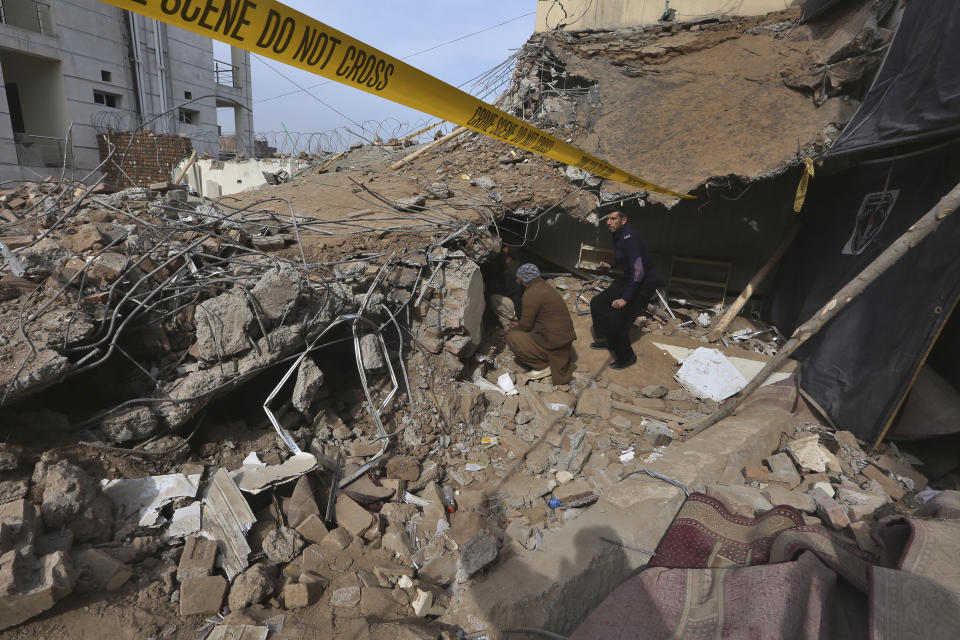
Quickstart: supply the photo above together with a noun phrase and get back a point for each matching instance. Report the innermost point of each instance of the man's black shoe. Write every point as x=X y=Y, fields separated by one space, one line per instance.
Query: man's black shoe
x=599 y=344
x=617 y=364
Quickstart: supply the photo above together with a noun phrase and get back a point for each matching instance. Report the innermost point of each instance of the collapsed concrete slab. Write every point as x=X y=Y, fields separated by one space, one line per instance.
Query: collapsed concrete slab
x=29 y=586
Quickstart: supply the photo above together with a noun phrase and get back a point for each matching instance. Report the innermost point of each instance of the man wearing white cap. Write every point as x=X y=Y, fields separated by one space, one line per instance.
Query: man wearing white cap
x=542 y=338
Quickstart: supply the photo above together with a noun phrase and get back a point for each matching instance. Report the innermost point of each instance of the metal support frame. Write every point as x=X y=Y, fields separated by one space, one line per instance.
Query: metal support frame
x=357 y=323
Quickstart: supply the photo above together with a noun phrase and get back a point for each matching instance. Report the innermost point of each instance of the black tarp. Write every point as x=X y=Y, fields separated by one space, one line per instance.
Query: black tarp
x=859 y=366
x=916 y=95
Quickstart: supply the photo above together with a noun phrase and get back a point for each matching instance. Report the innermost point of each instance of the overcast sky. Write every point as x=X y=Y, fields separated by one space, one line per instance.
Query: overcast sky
x=399 y=29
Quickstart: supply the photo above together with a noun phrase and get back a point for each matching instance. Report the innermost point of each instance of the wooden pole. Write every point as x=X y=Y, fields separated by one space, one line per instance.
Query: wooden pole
x=186 y=166
x=900 y=247
x=747 y=292
x=436 y=143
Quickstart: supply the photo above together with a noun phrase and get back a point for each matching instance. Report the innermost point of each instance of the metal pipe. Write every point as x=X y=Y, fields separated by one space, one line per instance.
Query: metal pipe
x=161 y=68
x=137 y=65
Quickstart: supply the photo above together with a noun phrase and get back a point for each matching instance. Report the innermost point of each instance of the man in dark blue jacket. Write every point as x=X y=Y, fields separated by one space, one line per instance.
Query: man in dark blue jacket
x=614 y=309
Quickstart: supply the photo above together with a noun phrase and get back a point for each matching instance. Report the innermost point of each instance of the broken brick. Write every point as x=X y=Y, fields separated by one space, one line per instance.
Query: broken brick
x=202 y=595
x=889 y=485
x=756 y=472
x=830 y=510
x=197 y=559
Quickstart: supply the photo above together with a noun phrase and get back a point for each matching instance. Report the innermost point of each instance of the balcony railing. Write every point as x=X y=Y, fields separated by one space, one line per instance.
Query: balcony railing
x=27 y=14
x=226 y=74
x=41 y=151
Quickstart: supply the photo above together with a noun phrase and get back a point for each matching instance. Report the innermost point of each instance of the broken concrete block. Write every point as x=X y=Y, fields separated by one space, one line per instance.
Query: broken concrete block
x=850 y=496
x=397 y=542
x=654 y=391
x=371 y=353
x=348 y=596
x=20 y=521
x=859 y=512
x=439 y=190
x=422 y=602
x=403 y=468
x=312 y=529
x=375 y=601
x=72 y=499
x=337 y=540
x=360 y=449
x=826 y=487
x=267 y=243
x=731 y=475
x=476 y=553
x=484 y=182
x=132 y=424
x=277 y=293
x=510 y=407
x=658 y=433
x=352 y=517
x=302 y=504
x=391 y=574
x=202 y=595
x=223 y=326
x=808 y=453
x=413 y=203
x=253 y=586
x=283 y=545
x=573 y=491
x=558 y=402
x=98 y=571
x=849 y=442
x=197 y=559
x=521 y=534
x=595 y=403
x=889 y=485
x=740 y=500
x=300 y=595
x=441 y=570
x=309 y=379
x=30 y=586
x=829 y=510
x=87 y=238
x=802 y=501
x=399 y=513
x=783 y=471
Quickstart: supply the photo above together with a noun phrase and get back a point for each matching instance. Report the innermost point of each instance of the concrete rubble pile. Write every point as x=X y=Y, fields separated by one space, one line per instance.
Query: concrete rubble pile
x=829 y=476
x=241 y=420
x=216 y=528
x=172 y=301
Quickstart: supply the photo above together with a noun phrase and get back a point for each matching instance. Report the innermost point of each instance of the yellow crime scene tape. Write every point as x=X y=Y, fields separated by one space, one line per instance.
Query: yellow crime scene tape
x=274 y=30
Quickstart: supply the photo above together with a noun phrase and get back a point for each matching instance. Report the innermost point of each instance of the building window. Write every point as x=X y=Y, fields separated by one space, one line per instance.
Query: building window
x=188 y=116
x=106 y=99
x=188 y=95
x=106 y=76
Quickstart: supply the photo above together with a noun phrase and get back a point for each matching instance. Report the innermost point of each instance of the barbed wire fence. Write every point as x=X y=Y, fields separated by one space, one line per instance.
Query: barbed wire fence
x=388 y=132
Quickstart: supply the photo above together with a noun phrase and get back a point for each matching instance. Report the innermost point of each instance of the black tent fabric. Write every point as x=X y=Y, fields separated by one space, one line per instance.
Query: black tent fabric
x=813 y=9
x=916 y=95
x=859 y=366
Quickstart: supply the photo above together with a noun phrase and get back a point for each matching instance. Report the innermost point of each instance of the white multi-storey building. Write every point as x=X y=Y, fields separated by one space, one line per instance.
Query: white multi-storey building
x=74 y=68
